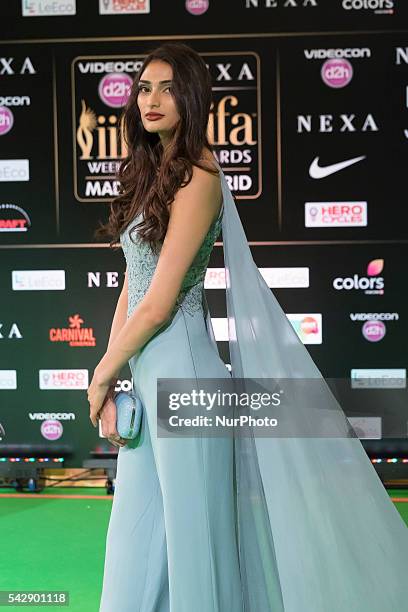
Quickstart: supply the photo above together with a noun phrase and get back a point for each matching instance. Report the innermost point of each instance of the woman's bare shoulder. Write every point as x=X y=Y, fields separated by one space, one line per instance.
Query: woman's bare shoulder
x=213 y=179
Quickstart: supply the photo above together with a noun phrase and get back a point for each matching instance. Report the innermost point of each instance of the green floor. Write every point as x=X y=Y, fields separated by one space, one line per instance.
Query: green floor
x=40 y=552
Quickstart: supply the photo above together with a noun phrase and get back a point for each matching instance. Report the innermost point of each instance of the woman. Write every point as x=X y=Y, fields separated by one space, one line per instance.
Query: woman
x=171 y=536
x=257 y=524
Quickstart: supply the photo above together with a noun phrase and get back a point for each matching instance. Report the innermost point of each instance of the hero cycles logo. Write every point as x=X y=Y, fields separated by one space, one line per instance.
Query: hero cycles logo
x=74 y=335
x=371 y=284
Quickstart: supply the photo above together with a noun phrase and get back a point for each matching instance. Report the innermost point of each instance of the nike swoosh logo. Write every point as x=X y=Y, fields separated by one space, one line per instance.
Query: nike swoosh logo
x=318 y=172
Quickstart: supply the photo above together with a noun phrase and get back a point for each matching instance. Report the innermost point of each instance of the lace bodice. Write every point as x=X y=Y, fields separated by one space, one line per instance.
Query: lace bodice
x=141 y=264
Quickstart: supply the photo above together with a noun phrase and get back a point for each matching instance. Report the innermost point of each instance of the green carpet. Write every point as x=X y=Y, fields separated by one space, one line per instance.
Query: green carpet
x=402 y=507
x=55 y=544
x=59 y=544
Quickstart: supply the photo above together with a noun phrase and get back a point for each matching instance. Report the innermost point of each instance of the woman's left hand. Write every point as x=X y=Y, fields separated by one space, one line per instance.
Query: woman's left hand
x=97 y=393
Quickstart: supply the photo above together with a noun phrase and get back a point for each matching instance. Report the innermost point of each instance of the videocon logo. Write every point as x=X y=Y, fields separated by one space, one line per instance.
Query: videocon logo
x=371 y=284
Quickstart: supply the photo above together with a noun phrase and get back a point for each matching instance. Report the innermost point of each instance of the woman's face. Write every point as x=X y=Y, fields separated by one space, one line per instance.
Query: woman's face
x=155 y=99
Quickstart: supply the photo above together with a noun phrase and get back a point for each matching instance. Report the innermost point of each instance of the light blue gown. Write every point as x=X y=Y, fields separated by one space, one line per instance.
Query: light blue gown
x=207 y=524
x=171 y=542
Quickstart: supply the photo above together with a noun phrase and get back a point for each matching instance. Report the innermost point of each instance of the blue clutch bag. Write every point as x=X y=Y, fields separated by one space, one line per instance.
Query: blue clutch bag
x=129 y=410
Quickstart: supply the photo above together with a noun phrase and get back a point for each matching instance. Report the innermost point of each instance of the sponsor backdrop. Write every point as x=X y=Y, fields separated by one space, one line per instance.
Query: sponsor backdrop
x=311 y=129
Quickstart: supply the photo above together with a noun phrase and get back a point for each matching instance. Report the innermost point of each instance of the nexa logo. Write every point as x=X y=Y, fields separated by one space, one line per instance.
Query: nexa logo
x=401 y=55
x=243 y=74
x=13 y=332
x=328 y=123
x=276 y=4
x=8 y=66
x=111 y=279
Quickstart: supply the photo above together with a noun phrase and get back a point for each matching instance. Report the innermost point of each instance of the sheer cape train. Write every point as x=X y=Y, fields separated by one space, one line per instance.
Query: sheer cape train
x=317 y=531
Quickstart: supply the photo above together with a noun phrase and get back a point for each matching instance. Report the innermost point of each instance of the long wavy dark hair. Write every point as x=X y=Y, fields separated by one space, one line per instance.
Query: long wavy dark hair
x=150 y=175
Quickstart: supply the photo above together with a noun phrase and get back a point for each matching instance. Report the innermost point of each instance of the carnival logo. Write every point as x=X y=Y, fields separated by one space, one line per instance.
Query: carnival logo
x=75 y=335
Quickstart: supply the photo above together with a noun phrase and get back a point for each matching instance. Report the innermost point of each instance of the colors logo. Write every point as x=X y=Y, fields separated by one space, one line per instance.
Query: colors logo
x=379 y=7
x=372 y=284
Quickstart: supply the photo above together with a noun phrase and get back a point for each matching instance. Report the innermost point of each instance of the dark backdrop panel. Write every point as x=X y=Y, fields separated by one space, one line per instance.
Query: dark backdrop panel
x=287 y=110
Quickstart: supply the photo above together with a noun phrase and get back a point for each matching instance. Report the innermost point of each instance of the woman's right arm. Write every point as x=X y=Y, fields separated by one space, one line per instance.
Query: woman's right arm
x=120 y=316
x=108 y=412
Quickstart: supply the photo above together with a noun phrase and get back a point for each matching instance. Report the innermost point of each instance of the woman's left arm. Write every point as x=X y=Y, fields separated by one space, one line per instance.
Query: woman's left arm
x=193 y=210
